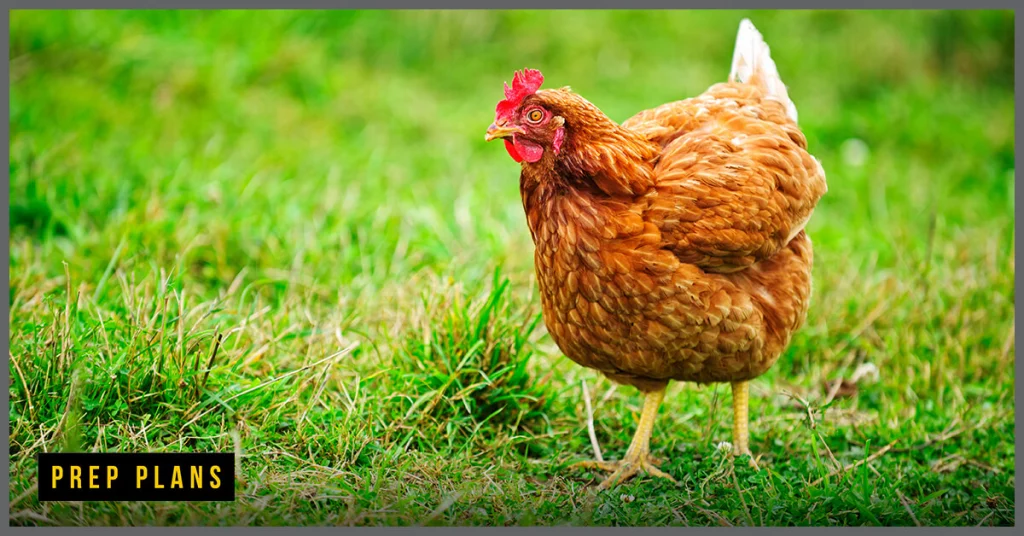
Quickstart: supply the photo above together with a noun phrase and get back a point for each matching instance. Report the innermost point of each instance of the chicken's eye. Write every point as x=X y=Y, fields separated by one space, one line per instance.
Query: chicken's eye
x=534 y=115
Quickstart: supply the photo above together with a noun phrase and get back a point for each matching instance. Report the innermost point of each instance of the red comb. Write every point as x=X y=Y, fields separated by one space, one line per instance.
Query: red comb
x=524 y=84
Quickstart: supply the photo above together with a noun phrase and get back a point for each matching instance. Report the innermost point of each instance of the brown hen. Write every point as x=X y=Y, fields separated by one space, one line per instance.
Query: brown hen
x=672 y=246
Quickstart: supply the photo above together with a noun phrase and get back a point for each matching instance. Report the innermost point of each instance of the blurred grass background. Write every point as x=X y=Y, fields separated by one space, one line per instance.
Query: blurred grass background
x=281 y=233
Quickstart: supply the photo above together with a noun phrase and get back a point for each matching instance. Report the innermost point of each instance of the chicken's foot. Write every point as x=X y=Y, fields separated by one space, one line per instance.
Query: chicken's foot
x=740 y=419
x=638 y=456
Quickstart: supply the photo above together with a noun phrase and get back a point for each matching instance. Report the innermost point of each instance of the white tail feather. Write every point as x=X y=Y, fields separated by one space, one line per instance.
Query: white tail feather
x=752 y=64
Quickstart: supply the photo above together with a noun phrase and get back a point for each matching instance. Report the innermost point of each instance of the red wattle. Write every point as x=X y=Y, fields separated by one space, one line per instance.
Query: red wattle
x=512 y=150
x=528 y=151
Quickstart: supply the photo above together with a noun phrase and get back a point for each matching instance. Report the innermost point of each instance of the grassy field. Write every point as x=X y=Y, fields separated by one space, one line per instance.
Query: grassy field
x=282 y=234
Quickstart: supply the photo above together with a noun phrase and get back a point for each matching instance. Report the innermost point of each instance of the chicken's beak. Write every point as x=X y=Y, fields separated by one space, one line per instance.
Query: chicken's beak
x=501 y=131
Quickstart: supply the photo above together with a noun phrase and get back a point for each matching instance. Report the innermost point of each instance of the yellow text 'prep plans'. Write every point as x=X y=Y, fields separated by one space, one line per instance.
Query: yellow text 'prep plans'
x=108 y=476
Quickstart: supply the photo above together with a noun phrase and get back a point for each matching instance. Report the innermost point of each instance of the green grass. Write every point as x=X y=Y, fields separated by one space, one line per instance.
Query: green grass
x=282 y=234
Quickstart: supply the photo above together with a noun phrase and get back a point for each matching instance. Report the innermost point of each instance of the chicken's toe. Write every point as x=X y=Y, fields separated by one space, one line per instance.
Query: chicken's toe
x=624 y=470
x=594 y=464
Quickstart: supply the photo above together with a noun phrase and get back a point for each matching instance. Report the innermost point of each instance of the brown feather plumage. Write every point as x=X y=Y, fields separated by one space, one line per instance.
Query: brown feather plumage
x=672 y=246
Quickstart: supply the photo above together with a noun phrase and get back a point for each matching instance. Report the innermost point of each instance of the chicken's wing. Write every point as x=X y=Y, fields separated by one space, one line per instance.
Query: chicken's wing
x=734 y=183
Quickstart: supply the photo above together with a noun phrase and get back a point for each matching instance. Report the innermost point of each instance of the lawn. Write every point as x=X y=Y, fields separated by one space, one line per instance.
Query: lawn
x=282 y=234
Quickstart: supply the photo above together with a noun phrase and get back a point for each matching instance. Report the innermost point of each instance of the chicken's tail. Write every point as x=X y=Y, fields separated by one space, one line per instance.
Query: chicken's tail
x=752 y=64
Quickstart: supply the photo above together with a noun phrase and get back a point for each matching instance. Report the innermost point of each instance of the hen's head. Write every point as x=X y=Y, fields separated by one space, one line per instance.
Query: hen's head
x=557 y=130
x=529 y=123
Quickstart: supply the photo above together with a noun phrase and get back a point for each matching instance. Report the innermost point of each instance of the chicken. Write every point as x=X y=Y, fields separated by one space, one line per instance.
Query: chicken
x=672 y=246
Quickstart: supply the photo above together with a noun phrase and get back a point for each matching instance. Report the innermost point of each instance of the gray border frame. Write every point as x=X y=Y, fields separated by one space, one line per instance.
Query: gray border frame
x=466 y=4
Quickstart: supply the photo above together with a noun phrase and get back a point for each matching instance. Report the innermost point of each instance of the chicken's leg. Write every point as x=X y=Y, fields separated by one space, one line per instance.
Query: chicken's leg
x=740 y=417
x=638 y=456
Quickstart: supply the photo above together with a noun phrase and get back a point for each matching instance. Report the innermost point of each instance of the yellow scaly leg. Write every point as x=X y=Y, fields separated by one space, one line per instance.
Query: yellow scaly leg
x=740 y=418
x=638 y=456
